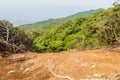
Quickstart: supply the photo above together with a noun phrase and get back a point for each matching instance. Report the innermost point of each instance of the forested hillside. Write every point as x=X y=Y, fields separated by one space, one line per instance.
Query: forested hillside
x=55 y=22
x=90 y=32
x=13 y=39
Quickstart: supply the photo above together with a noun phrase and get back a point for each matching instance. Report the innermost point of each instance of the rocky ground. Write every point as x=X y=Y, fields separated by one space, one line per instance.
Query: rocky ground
x=68 y=65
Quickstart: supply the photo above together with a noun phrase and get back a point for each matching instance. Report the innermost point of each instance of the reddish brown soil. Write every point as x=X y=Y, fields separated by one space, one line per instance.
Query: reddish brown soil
x=78 y=65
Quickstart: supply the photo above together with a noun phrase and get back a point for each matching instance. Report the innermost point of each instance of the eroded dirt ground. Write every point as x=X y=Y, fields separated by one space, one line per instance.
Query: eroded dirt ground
x=91 y=64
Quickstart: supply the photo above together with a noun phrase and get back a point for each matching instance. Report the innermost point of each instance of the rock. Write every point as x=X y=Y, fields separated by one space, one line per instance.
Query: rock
x=97 y=79
x=93 y=66
x=83 y=64
x=22 y=68
x=27 y=70
x=97 y=75
x=10 y=72
x=0 y=57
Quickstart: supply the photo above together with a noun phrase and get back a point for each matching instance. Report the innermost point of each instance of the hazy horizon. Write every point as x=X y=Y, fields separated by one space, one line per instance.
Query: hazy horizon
x=30 y=11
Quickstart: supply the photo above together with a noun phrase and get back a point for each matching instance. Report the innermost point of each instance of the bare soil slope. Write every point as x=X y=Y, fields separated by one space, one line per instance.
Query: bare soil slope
x=91 y=64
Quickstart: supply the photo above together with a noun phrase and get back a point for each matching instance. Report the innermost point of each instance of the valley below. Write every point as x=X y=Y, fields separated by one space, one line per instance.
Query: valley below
x=68 y=65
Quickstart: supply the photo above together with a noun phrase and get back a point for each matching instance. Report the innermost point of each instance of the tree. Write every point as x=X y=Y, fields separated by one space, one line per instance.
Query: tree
x=5 y=27
x=13 y=39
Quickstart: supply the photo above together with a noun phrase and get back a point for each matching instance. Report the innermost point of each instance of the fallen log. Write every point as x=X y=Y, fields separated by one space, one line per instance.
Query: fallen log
x=8 y=47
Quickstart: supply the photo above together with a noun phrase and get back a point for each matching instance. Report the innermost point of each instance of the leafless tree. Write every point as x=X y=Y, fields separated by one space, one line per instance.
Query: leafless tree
x=5 y=29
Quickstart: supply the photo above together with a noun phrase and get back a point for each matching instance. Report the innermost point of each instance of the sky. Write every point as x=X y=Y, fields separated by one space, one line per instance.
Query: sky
x=29 y=11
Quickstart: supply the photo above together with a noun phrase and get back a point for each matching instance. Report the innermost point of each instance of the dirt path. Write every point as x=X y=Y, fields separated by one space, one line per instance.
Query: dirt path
x=100 y=64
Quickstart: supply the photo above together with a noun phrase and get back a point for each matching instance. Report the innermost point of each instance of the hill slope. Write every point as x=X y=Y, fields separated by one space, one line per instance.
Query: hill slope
x=91 y=32
x=54 y=22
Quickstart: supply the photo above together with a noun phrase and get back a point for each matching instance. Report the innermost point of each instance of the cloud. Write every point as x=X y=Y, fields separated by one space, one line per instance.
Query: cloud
x=27 y=11
x=57 y=2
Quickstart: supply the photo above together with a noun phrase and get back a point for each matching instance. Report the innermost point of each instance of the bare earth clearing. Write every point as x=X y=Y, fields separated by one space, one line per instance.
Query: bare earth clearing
x=91 y=64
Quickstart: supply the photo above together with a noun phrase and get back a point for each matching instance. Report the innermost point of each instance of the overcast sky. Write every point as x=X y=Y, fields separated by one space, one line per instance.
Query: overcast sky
x=29 y=11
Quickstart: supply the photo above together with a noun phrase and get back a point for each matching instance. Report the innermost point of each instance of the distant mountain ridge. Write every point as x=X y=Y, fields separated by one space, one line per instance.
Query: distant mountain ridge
x=54 y=22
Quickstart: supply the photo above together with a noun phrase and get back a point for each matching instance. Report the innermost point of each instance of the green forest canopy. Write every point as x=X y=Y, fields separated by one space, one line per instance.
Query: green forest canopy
x=55 y=22
x=89 y=32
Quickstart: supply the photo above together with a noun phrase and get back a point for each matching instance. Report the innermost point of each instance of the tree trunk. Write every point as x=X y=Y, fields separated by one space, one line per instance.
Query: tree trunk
x=7 y=34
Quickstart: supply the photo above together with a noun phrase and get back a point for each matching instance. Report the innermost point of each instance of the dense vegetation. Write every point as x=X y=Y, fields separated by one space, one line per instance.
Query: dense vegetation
x=91 y=32
x=88 y=32
x=13 y=39
x=55 y=22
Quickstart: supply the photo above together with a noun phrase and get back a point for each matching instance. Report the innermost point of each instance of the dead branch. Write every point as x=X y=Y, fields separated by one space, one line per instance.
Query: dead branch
x=10 y=47
x=116 y=76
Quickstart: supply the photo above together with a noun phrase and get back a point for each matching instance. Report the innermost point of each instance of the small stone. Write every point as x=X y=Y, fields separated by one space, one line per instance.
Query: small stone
x=97 y=75
x=97 y=79
x=0 y=57
x=83 y=64
x=22 y=68
x=27 y=70
x=10 y=72
x=93 y=66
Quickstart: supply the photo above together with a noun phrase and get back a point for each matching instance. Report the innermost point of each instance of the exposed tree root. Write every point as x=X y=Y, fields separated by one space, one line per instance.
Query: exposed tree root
x=60 y=76
x=116 y=76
